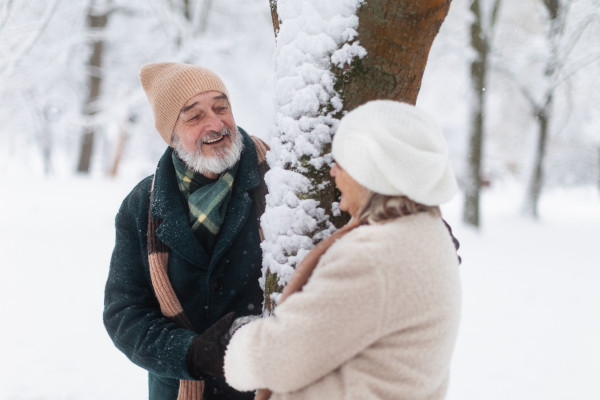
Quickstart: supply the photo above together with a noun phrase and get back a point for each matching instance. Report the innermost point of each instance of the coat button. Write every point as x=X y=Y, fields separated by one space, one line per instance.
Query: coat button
x=217 y=286
x=217 y=391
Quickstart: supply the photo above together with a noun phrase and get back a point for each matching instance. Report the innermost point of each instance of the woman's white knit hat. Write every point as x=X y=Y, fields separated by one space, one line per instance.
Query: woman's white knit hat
x=394 y=148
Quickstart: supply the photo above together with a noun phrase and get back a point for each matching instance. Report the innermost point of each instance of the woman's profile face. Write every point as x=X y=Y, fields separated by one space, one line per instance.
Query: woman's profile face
x=353 y=193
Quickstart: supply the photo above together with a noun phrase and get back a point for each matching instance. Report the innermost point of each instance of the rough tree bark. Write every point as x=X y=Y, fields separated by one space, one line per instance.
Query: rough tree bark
x=274 y=16
x=96 y=22
x=481 y=42
x=397 y=35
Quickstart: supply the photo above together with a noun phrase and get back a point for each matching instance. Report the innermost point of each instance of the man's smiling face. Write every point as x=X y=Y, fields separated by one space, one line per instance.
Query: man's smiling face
x=205 y=130
x=202 y=118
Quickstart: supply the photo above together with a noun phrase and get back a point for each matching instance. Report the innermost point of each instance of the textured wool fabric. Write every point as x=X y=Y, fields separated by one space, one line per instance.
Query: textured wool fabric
x=158 y=258
x=194 y=287
x=395 y=149
x=169 y=86
x=377 y=320
x=207 y=201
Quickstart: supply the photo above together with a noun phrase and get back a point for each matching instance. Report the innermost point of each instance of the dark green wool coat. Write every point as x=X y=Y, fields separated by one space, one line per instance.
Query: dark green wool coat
x=207 y=287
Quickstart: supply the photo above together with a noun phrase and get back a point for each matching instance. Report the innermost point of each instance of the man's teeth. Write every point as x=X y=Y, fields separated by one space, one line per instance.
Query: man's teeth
x=214 y=140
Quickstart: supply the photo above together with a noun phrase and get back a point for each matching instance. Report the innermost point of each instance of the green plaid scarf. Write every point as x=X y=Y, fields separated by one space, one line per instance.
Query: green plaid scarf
x=207 y=200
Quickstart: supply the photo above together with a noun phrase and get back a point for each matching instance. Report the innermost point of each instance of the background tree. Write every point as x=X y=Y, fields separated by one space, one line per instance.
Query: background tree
x=556 y=62
x=350 y=53
x=97 y=18
x=482 y=33
x=542 y=106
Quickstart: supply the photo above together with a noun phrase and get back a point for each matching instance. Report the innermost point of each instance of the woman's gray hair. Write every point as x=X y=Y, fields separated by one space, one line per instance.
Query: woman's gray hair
x=379 y=208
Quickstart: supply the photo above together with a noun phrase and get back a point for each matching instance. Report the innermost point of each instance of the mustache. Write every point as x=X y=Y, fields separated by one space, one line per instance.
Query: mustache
x=214 y=134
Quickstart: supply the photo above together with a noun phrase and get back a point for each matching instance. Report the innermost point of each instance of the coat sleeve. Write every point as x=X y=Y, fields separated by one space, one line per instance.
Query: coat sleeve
x=336 y=316
x=131 y=311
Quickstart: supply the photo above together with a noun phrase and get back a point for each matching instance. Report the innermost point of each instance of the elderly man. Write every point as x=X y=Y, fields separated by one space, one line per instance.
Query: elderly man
x=187 y=255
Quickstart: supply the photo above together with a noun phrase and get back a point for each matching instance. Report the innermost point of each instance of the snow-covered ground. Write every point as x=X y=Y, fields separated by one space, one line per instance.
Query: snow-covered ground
x=531 y=300
x=529 y=331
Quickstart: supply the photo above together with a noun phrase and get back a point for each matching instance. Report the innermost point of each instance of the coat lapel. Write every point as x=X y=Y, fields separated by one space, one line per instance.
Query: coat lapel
x=167 y=204
x=238 y=209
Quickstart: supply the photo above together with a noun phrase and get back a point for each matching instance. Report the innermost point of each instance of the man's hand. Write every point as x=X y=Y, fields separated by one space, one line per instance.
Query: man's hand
x=206 y=352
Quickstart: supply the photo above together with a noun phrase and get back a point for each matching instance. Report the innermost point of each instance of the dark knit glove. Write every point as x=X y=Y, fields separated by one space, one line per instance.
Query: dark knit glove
x=237 y=324
x=206 y=353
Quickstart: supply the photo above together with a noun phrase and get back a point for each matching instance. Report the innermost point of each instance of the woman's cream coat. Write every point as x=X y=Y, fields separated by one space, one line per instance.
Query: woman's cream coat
x=377 y=320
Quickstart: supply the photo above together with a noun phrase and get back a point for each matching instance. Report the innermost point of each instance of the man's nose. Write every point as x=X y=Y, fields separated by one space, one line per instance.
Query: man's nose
x=213 y=123
x=332 y=171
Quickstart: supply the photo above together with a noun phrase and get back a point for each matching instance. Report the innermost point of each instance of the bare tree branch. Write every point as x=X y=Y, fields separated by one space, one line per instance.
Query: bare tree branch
x=575 y=70
x=26 y=48
x=5 y=13
x=203 y=23
x=575 y=39
x=495 y=13
x=186 y=10
x=559 y=65
x=520 y=86
x=552 y=6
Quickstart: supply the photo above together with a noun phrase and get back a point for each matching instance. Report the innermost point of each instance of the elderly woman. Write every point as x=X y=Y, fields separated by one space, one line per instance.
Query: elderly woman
x=378 y=317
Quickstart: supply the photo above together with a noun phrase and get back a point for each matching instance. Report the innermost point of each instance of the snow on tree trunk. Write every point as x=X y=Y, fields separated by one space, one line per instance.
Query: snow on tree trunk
x=331 y=57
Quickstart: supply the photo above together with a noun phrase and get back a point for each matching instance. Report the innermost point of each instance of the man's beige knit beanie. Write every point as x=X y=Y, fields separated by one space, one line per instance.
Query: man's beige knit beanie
x=169 y=86
x=395 y=149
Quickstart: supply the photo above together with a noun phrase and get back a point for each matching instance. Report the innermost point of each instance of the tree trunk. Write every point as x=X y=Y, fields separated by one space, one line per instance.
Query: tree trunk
x=543 y=113
x=274 y=16
x=478 y=78
x=96 y=23
x=537 y=180
x=397 y=36
x=186 y=10
x=120 y=148
x=206 y=6
x=598 y=149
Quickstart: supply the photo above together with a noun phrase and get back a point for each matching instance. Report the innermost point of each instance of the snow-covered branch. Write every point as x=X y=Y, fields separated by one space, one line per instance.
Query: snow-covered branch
x=5 y=13
x=14 y=61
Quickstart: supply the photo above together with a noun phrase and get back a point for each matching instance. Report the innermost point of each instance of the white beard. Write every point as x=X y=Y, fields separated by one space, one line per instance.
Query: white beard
x=223 y=160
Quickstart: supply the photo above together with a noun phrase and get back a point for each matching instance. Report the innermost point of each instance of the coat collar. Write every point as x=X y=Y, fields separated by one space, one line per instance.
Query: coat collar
x=167 y=203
